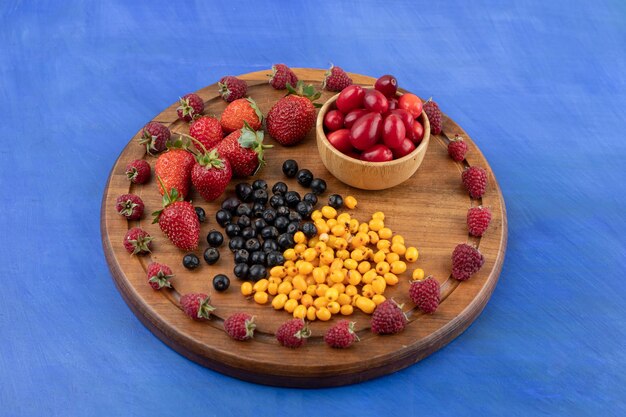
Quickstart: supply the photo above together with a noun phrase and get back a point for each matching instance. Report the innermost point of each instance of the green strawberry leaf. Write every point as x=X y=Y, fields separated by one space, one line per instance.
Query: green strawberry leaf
x=256 y=109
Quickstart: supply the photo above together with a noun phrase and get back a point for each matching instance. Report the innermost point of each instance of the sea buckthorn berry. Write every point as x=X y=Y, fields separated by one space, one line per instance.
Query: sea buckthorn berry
x=287 y=264
x=299 y=237
x=342 y=254
x=316 y=215
x=260 y=297
x=397 y=239
x=418 y=274
x=382 y=268
x=312 y=242
x=246 y=288
x=305 y=268
x=373 y=237
x=365 y=305
x=351 y=290
x=350 y=202
x=260 y=285
x=341 y=243
x=385 y=233
x=321 y=289
x=278 y=271
x=295 y=294
x=379 y=285
x=299 y=312
x=411 y=254
x=331 y=294
x=275 y=280
x=331 y=223
x=378 y=215
x=346 y=310
x=379 y=256
x=350 y=264
x=344 y=218
x=398 y=248
x=320 y=302
x=329 y=212
x=368 y=291
x=369 y=253
x=309 y=255
x=354 y=298
x=390 y=278
x=392 y=257
x=285 y=287
x=310 y=281
x=327 y=257
x=319 y=275
x=290 y=305
x=364 y=228
x=279 y=301
x=369 y=276
x=310 y=313
x=306 y=300
x=364 y=267
x=336 y=276
x=292 y=271
x=333 y=307
x=398 y=267
x=339 y=287
x=383 y=245
x=320 y=247
x=331 y=241
x=359 y=240
x=378 y=298
x=336 y=264
x=322 y=228
x=290 y=254
x=353 y=225
x=338 y=230
x=299 y=248
x=311 y=289
x=299 y=282
x=343 y=299
x=357 y=254
x=272 y=288
x=323 y=314
x=376 y=224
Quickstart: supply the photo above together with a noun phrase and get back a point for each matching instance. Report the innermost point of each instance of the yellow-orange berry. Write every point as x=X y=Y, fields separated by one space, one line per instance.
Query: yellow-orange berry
x=299 y=312
x=378 y=285
x=279 y=301
x=310 y=313
x=285 y=287
x=392 y=257
x=365 y=305
x=346 y=309
x=343 y=299
x=323 y=314
x=373 y=237
x=272 y=288
x=369 y=276
x=397 y=239
x=411 y=254
x=390 y=279
x=260 y=297
x=368 y=291
x=246 y=288
x=290 y=254
x=350 y=264
x=382 y=268
x=350 y=202
x=418 y=274
x=290 y=305
x=306 y=300
x=260 y=285
x=364 y=267
x=320 y=302
x=378 y=298
x=376 y=224
x=398 y=248
x=398 y=267
x=320 y=291
x=351 y=290
x=385 y=233
x=329 y=212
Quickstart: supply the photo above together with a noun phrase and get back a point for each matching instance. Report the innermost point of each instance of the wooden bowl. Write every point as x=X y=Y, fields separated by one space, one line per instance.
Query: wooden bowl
x=368 y=175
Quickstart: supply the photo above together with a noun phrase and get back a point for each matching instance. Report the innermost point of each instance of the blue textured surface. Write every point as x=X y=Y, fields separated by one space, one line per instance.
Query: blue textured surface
x=540 y=86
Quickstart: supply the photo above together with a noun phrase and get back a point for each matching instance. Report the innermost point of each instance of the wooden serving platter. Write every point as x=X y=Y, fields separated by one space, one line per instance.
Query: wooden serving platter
x=429 y=210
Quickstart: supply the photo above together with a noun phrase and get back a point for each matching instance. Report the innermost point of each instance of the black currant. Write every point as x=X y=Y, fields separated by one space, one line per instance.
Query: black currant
x=231 y=204
x=236 y=243
x=257 y=272
x=241 y=270
x=304 y=177
x=282 y=211
x=292 y=198
x=304 y=209
x=279 y=188
x=258 y=225
x=310 y=198
x=223 y=217
x=257 y=257
x=253 y=245
x=292 y=228
x=260 y=196
x=211 y=255
x=259 y=185
x=285 y=240
x=201 y=214
x=290 y=168
x=242 y=255
x=269 y=245
x=281 y=223
x=308 y=229
x=269 y=232
x=258 y=209
x=277 y=201
x=318 y=186
x=269 y=215
x=335 y=201
x=244 y=221
x=215 y=238
x=294 y=216
x=221 y=282
x=244 y=210
x=232 y=230
x=248 y=233
x=244 y=191
x=191 y=261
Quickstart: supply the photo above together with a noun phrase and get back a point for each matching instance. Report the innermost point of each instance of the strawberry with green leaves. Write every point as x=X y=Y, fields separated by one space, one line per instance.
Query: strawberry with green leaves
x=240 y=111
x=178 y=220
x=210 y=174
x=244 y=150
x=293 y=116
x=174 y=169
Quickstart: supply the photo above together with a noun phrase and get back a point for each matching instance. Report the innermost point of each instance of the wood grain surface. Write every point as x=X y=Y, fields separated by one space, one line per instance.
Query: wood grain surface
x=429 y=210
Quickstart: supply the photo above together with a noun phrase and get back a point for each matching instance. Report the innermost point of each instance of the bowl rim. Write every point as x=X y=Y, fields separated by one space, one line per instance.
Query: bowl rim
x=319 y=125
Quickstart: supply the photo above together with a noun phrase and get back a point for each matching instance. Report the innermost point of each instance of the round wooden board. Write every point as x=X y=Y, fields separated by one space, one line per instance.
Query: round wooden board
x=429 y=210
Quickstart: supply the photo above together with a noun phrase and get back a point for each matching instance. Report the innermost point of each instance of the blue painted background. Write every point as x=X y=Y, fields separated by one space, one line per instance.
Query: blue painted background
x=539 y=85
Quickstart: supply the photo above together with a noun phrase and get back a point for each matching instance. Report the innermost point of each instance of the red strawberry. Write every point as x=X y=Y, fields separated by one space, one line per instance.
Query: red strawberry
x=137 y=241
x=138 y=171
x=244 y=150
x=178 y=220
x=291 y=117
x=336 y=79
x=425 y=294
x=232 y=88
x=154 y=137
x=434 y=116
x=475 y=181
x=240 y=111
x=207 y=130
x=196 y=306
x=130 y=206
x=174 y=169
x=240 y=326
x=478 y=219
x=281 y=76
x=191 y=106
x=293 y=333
x=159 y=275
x=466 y=261
x=457 y=148
x=210 y=175
x=341 y=335
x=388 y=318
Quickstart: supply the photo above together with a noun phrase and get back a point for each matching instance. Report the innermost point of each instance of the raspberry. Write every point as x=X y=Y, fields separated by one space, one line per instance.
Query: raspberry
x=336 y=79
x=293 y=333
x=240 y=326
x=232 y=88
x=388 y=318
x=457 y=148
x=207 y=130
x=159 y=275
x=434 y=116
x=341 y=335
x=466 y=261
x=137 y=241
x=425 y=294
x=475 y=181
x=138 y=171
x=478 y=219
x=281 y=76
x=154 y=137
x=191 y=106
x=196 y=306
x=130 y=206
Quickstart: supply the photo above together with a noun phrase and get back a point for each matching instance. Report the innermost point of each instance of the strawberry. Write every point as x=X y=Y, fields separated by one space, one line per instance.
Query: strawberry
x=159 y=275
x=244 y=150
x=293 y=333
x=154 y=137
x=388 y=318
x=240 y=111
x=178 y=220
x=281 y=76
x=174 y=169
x=457 y=148
x=466 y=261
x=137 y=241
x=478 y=219
x=336 y=79
x=232 y=88
x=210 y=175
x=240 y=326
x=191 y=106
x=425 y=294
x=475 y=181
x=291 y=117
x=207 y=130
x=434 y=116
x=138 y=171
x=130 y=206
x=196 y=306
x=341 y=335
